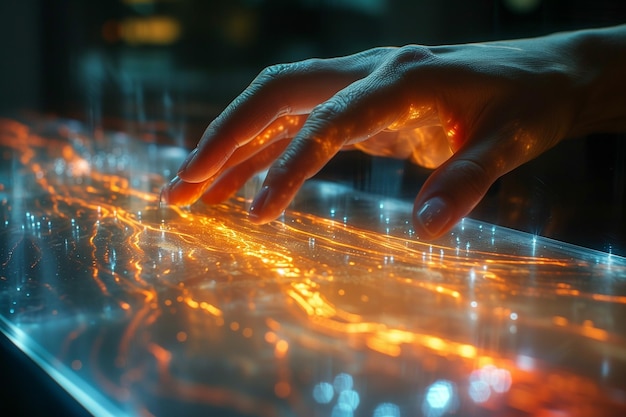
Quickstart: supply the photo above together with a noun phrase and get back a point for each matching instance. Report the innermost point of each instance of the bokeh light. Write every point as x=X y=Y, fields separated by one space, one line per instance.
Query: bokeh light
x=342 y=410
x=479 y=391
x=386 y=410
x=440 y=398
x=350 y=398
x=323 y=393
x=343 y=382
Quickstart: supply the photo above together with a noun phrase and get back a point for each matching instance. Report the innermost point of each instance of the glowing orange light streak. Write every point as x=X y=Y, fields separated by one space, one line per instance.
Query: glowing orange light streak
x=203 y=305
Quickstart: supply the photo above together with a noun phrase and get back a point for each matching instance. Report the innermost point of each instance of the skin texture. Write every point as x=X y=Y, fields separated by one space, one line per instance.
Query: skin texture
x=472 y=112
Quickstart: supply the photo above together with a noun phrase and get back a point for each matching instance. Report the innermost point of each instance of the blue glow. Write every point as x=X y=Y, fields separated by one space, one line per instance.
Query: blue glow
x=341 y=410
x=323 y=392
x=525 y=363
x=343 y=382
x=440 y=398
x=386 y=410
x=479 y=391
x=438 y=395
x=350 y=398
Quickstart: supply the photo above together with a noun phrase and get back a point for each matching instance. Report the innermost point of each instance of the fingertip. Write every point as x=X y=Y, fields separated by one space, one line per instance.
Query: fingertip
x=257 y=213
x=255 y=218
x=215 y=197
x=273 y=198
x=433 y=218
x=451 y=192
x=165 y=195
x=181 y=193
x=229 y=181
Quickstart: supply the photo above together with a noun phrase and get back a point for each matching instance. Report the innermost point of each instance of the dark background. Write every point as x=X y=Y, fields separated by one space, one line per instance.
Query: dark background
x=128 y=64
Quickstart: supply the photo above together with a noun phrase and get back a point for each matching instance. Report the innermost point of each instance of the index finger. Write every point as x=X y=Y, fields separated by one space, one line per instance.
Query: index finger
x=277 y=91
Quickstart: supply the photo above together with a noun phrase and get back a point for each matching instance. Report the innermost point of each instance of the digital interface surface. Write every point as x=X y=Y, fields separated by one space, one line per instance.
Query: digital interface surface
x=337 y=309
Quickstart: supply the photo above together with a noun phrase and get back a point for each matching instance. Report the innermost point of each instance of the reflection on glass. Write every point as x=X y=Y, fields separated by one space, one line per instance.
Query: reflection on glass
x=336 y=309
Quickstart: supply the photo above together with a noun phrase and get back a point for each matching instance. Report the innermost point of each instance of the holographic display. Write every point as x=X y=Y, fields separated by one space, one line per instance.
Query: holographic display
x=337 y=309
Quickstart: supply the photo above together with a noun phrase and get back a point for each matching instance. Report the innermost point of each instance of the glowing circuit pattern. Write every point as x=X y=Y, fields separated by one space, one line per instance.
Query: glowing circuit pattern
x=338 y=309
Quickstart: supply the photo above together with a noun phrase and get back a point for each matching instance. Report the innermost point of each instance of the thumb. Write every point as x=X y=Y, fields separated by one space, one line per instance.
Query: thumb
x=457 y=186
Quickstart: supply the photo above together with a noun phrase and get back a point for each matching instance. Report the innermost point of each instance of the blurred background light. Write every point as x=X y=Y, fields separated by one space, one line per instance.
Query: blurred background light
x=323 y=392
x=440 y=398
x=350 y=398
x=343 y=382
x=386 y=410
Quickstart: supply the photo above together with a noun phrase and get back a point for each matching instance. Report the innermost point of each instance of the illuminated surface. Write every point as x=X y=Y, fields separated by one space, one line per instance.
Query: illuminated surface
x=336 y=310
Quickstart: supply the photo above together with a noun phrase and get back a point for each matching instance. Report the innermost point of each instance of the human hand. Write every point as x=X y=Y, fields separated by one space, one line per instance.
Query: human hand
x=476 y=111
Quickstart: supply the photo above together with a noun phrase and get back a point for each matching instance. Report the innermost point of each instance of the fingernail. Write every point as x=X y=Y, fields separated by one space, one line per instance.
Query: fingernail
x=434 y=215
x=187 y=161
x=258 y=204
x=164 y=197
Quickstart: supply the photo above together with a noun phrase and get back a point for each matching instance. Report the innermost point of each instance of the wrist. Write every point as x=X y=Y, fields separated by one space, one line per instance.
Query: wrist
x=599 y=57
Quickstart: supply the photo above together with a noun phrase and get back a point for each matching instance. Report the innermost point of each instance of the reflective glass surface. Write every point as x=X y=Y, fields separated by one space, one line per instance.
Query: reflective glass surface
x=337 y=309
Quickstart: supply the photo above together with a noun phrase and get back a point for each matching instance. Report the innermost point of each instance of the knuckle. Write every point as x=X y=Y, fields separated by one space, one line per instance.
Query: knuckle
x=287 y=70
x=409 y=63
x=411 y=54
x=275 y=71
x=310 y=65
x=369 y=59
x=330 y=109
x=469 y=169
x=472 y=176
